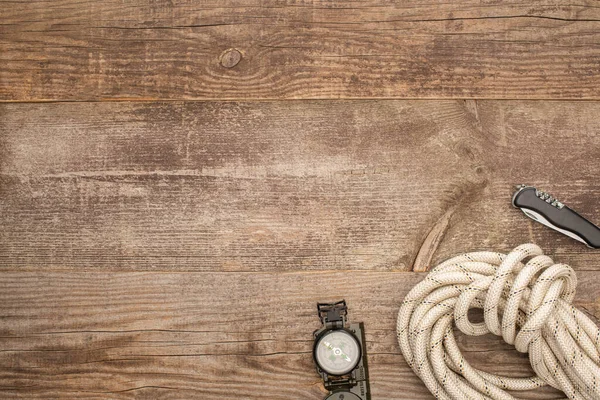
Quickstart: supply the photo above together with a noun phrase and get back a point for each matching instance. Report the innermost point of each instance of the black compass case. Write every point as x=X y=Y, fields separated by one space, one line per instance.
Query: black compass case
x=353 y=385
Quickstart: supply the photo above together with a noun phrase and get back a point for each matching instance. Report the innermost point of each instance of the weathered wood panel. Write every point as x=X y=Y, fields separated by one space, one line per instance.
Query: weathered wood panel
x=208 y=335
x=357 y=185
x=250 y=49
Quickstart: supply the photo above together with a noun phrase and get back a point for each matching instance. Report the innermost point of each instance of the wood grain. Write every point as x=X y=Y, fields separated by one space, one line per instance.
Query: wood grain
x=208 y=335
x=250 y=49
x=271 y=186
x=168 y=249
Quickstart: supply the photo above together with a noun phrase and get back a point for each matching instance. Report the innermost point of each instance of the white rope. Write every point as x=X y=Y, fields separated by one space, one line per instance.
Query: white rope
x=529 y=305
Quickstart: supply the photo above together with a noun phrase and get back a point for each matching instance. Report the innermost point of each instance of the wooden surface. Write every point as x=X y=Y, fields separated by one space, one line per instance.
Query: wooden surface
x=163 y=248
x=271 y=186
x=208 y=335
x=271 y=49
x=253 y=212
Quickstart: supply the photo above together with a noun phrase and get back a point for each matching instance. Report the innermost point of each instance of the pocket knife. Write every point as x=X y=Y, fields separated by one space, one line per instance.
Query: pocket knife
x=545 y=209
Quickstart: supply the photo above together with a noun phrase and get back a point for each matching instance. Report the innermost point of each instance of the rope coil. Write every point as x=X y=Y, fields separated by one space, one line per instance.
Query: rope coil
x=529 y=305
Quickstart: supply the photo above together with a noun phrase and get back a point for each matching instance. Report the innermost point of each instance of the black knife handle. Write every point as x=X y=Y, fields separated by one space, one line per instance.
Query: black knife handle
x=557 y=214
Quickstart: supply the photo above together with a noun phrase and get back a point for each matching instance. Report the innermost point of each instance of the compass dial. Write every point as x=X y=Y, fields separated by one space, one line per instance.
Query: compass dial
x=337 y=352
x=342 y=396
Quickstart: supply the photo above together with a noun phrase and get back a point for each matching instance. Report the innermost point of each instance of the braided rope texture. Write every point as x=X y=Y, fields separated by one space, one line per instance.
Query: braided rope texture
x=527 y=303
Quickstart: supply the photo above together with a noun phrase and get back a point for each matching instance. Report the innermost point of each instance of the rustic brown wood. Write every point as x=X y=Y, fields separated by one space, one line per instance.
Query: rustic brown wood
x=208 y=335
x=169 y=250
x=282 y=186
x=84 y=50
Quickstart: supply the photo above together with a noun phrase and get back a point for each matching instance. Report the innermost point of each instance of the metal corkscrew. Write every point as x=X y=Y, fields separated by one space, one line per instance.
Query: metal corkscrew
x=546 y=209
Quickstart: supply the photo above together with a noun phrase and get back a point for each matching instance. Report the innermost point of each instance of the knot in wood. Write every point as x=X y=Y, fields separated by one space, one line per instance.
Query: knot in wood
x=230 y=58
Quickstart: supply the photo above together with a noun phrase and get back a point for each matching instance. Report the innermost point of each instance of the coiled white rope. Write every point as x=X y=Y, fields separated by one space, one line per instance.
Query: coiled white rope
x=529 y=305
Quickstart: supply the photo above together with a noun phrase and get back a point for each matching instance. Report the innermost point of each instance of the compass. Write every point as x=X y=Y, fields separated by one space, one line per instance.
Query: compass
x=342 y=396
x=337 y=352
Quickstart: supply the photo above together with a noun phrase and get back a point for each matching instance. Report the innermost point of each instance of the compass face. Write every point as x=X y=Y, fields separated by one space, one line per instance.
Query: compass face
x=342 y=396
x=337 y=352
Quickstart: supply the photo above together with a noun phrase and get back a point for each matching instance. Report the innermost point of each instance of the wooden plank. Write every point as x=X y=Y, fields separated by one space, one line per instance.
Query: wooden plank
x=271 y=186
x=268 y=49
x=208 y=335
